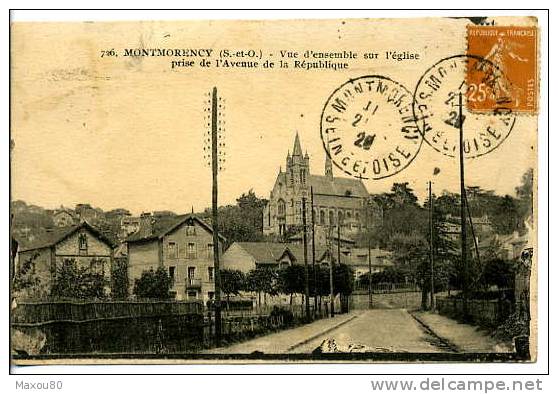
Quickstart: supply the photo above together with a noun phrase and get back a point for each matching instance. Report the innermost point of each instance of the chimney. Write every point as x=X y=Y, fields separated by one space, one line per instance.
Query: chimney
x=146 y=223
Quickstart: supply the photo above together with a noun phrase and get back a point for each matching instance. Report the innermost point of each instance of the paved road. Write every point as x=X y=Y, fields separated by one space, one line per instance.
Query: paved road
x=376 y=330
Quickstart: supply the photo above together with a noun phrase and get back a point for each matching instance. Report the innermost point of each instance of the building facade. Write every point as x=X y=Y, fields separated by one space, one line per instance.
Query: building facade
x=336 y=199
x=183 y=245
x=81 y=244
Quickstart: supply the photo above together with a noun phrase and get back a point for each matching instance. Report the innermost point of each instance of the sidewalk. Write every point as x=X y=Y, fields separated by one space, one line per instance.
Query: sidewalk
x=283 y=341
x=464 y=337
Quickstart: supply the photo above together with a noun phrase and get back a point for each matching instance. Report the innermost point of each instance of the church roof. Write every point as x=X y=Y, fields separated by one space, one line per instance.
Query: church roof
x=338 y=186
x=346 y=187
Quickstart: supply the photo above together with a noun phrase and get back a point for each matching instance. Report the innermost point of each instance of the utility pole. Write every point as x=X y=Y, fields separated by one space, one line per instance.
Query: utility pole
x=369 y=257
x=330 y=253
x=314 y=251
x=464 y=263
x=214 y=171
x=305 y=244
x=432 y=306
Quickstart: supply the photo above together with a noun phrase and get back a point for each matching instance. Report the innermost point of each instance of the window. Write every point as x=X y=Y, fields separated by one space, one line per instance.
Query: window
x=281 y=208
x=303 y=176
x=210 y=274
x=331 y=218
x=172 y=274
x=191 y=250
x=340 y=218
x=322 y=216
x=192 y=294
x=96 y=266
x=190 y=229
x=209 y=251
x=83 y=243
x=172 y=250
x=211 y=295
x=191 y=272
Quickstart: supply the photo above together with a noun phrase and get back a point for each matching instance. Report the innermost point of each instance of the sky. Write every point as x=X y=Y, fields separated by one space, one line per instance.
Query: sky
x=123 y=132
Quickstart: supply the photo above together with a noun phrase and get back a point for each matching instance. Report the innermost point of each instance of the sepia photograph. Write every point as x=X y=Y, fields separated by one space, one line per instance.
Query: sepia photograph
x=300 y=190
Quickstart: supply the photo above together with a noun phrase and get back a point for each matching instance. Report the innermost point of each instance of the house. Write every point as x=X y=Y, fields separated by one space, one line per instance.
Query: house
x=246 y=256
x=357 y=259
x=81 y=243
x=183 y=245
x=64 y=217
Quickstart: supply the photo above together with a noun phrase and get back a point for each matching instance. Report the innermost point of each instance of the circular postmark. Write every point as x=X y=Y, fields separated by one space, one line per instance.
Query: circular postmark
x=436 y=106
x=368 y=128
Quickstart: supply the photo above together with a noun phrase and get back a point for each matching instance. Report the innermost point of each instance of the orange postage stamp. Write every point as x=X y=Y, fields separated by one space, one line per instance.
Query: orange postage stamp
x=512 y=54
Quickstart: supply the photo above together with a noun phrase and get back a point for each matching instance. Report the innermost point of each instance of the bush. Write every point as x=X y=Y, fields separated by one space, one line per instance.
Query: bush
x=288 y=317
x=74 y=281
x=119 y=280
x=153 y=284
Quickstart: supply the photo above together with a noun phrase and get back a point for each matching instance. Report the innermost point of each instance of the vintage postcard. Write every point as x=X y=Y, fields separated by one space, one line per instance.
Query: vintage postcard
x=313 y=190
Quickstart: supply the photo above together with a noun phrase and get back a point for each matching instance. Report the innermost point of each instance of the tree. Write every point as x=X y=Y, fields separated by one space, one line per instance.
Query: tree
x=499 y=272
x=241 y=222
x=119 y=280
x=524 y=193
x=402 y=194
x=291 y=280
x=232 y=282
x=26 y=283
x=74 y=281
x=262 y=280
x=153 y=284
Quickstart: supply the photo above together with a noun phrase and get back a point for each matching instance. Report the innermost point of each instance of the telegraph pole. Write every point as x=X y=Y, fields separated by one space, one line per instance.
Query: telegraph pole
x=464 y=263
x=305 y=244
x=214 y=171
x=369 y=258
x=331 y=294
x=432 y=306
x=314 y=251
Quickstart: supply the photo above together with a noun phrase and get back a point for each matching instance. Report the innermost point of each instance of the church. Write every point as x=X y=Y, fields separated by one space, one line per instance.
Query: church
x=336 y=200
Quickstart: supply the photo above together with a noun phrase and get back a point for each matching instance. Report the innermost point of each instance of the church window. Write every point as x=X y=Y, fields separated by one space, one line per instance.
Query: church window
x=281 y=208
x=322 y=216
x=303 y=176
x=331 y=218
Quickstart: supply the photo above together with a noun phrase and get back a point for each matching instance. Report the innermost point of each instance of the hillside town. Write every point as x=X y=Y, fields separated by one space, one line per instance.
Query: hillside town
x=316 y=239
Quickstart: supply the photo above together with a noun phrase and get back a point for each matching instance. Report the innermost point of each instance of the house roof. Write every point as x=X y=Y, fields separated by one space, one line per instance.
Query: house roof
x=64 y=210
x=162 y=225
x=379 y=257
x=53 y=236
x=264 y=252
x=300 y=235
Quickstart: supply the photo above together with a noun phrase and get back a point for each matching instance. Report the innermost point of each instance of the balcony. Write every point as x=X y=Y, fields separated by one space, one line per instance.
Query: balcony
x=193 y=283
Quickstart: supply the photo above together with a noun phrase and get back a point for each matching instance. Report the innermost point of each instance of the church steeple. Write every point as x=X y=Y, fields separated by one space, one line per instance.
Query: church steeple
x=298 y=166
x=297 y=150
x=328 y=168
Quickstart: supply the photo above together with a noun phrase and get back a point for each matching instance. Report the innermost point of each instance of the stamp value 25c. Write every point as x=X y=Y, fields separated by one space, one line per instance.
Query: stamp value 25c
x=513 y=51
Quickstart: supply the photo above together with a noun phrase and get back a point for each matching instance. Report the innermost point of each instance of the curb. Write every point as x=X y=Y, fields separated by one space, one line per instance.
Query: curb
x=452 y=346
x=305 y=341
